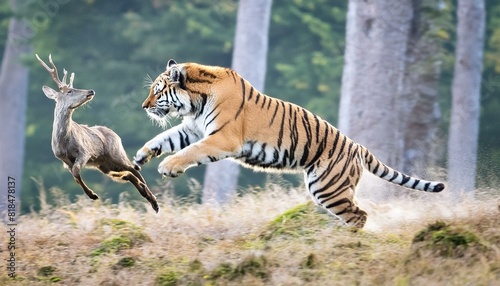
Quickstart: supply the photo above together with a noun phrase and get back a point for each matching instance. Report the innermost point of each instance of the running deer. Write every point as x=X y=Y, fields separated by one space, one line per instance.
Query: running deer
x=78 y=145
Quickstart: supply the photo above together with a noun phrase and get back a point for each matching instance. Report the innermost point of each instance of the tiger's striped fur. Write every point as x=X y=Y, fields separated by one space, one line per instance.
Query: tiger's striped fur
x=225 y=117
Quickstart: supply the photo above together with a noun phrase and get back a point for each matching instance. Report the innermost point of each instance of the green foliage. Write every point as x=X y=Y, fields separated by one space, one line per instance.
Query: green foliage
x=193 y=273
x=125 y=235
x=222 y=270
x=168 y=278
x=113 y=244
x=126 y=262
x=446 y=240
x=55 y=279
x=293 y=213
x=253 y=265
x=309 y=268
x=306 y=67
x=310 y=262
x=46 y=274
x=5 y=14
x=46 y=270
x=256 y=266
x=195 y=266
x=492 y=51
x=293 y=222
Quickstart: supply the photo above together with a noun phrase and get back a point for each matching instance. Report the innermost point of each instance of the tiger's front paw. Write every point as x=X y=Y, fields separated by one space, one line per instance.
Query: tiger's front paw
x=142 y=157
x=171 y=167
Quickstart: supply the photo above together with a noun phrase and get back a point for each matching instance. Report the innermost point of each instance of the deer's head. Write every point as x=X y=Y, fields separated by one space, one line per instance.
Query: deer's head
x=67 y=96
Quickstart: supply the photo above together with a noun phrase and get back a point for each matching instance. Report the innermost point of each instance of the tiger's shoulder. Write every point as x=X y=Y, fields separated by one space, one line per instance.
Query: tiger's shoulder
x=198 y=73
x=221 y=83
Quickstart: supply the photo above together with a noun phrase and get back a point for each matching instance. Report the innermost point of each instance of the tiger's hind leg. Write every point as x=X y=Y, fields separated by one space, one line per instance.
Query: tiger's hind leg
x=335 y=193
x=347 y=210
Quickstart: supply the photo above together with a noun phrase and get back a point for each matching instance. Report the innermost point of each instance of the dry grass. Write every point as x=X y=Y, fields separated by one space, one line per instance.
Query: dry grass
x=269 y=238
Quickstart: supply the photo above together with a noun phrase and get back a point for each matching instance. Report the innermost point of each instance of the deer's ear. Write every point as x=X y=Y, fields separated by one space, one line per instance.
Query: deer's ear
x=170 y=63
x=49 y=92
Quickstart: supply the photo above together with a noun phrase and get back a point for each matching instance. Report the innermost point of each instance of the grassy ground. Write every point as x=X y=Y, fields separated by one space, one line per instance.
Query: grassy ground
x=271 y=238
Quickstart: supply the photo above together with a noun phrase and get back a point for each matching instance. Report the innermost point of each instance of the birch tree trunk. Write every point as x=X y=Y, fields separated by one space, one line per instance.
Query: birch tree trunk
x=13 y=95
x=372 y=80
x=250 y=61
x=464 y=122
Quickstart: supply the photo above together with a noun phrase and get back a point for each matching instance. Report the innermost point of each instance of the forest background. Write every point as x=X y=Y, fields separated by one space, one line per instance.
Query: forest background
x=113 y=46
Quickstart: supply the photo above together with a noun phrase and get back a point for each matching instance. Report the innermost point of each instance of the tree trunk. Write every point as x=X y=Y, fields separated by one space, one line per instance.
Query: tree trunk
x=372 y=80
x=249 y=60
x=13 y=95
x=420 y=93
x=464 y=122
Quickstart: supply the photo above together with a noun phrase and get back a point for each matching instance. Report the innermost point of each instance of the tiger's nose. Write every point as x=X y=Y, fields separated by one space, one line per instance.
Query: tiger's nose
x=146 y=104
x=149 y=100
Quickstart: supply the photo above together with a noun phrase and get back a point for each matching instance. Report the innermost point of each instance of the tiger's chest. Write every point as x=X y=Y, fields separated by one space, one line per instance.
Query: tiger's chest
x=195 y=125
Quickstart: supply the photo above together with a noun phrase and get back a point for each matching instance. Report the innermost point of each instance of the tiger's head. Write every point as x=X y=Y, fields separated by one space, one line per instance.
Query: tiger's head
x=167 y=95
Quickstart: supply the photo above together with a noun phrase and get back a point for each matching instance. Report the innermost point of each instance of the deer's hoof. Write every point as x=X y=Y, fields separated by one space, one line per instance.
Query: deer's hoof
x=137 y=167
x=155 y=206
x=93 y=196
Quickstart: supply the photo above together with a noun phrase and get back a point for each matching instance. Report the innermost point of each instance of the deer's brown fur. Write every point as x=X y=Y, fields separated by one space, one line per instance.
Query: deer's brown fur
x=79 y=145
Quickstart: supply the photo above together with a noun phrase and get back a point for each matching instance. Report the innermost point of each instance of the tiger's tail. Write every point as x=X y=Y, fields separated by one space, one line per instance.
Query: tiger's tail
x=389 y=174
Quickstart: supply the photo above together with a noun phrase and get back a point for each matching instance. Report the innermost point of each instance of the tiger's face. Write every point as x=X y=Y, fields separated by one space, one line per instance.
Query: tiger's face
x=166 y=96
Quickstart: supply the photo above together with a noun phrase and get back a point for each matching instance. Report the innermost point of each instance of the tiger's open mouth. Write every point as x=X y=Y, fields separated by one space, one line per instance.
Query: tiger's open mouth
x=157 y=113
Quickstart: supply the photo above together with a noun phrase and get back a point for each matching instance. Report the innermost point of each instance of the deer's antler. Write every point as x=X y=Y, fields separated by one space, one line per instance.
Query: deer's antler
x=53 y=72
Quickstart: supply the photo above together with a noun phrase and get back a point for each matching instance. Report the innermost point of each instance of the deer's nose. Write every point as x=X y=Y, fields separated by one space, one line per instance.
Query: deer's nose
x=91 y=92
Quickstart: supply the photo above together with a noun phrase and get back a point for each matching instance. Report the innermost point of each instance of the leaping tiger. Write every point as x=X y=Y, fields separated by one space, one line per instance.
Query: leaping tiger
x=225 y=117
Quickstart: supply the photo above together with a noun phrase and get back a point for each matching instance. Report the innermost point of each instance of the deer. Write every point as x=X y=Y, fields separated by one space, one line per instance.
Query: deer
x=79 y=146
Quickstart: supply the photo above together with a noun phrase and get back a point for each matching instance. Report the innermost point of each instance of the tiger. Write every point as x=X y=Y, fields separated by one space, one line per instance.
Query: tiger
x=224 y=116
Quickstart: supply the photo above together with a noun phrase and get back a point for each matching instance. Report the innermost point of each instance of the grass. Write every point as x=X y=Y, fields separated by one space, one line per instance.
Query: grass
x=275 y=237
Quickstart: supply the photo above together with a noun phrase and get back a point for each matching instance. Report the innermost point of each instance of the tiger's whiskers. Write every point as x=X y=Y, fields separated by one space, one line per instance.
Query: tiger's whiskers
x=148 y=81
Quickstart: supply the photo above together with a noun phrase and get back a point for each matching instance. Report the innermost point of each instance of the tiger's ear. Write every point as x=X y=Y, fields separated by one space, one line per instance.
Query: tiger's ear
x=170 y=63
x=175 y=75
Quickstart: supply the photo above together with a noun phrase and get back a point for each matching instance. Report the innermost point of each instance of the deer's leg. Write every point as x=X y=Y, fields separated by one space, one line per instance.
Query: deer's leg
x=138 y=175
x=133 y=176
x=140 y=184
x=172 y=140
x=75 y=171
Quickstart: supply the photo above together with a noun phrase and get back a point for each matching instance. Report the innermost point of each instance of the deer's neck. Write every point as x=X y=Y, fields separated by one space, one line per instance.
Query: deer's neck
x=63 y=124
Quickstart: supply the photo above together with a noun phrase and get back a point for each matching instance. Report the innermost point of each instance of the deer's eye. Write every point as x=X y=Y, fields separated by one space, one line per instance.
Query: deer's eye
x=70 y=91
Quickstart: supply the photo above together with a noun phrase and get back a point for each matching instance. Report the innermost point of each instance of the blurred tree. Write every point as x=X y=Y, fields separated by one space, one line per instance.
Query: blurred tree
x=377 y=37
x=14 y=79
x=464 y=124
x=249 y=60
x=420 y=112
x=489 y=135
